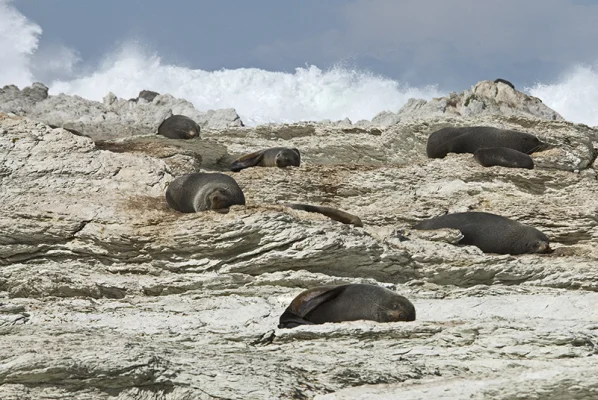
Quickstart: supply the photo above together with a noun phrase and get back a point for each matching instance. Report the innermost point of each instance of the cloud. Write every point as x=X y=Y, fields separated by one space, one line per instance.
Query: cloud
x=454 y=42
x=18 y=41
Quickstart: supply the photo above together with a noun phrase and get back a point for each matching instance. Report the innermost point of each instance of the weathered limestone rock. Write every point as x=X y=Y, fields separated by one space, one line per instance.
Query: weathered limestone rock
x=106 y=293
x=113 y=118
x=484 y=98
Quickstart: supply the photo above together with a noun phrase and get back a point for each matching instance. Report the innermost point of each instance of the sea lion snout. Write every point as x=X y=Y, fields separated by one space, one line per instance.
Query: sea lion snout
x=542 y=247
x=400 y=315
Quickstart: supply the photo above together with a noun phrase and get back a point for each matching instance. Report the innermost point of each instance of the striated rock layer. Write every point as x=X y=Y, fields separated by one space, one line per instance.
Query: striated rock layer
x=106 y=293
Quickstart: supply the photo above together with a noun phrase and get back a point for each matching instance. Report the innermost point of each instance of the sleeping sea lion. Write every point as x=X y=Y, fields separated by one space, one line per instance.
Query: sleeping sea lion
x=274 y=157
x=346 y=303
x=467 y=139
x=179 y=127
x=506 y=82
x=491 y=233
x=147 y=95
x=330 y=212
x=504 y=157
x=202 y=191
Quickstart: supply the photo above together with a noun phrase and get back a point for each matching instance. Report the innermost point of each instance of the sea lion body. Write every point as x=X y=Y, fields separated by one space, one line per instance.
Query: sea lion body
x=346 y=303
x=273 y=157
x=179 y=127
x=202 y=191
x=504 y=157
x=147 y=95
x=468 y=139
x=506 y=82
x=332 y=213
x=491 y=233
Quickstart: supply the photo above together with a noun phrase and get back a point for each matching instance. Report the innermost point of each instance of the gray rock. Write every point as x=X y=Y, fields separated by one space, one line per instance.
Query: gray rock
x=113 y=118
x=107 y=293
x=484 y=98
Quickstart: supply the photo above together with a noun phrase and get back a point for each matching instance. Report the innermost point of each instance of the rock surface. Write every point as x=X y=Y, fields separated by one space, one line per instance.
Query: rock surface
x=484 y=98
x=105 y=293
x=113 y=118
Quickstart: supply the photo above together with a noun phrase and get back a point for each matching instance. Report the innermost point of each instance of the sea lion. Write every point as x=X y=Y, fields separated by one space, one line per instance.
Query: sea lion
x=491 y=233
x=467 y=139
x=202 y=191
x=73 y=131
x=147 y=95
x=506 y=82
x=179 y=127
x=274 y=157
x=505 y=157
x=346 y=303
x=330 y=212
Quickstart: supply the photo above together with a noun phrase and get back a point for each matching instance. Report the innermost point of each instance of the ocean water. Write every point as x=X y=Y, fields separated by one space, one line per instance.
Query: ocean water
x=259 y=96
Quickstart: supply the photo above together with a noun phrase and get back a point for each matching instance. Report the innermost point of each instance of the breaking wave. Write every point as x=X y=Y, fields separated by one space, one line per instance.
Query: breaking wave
x=259 y=96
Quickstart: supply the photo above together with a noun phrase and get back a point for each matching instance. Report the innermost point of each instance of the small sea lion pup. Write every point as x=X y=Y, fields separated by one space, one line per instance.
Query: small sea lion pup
x=201 y=191
x=274 y=157
x=346 y=303
x=332 y=213
x=179 y=127
x=506 y=82
x=468 y=139
x=504 y=157
x=491 y=233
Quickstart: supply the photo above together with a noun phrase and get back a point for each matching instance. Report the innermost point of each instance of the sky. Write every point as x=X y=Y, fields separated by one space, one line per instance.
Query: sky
x=450 y=43
x=283 y=61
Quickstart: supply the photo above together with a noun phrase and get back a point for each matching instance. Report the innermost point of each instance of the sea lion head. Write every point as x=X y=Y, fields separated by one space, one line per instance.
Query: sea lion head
x=288 y=158
x=219 y=200
x=539 y=246
x=531 y=144
x=533 y=241
x=397 y=309
x=191 y=133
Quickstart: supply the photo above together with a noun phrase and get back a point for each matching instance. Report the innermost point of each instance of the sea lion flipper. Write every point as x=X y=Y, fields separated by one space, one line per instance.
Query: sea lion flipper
x=316 y=298
x=246 y=161
x=332 y=213
x=290 y=320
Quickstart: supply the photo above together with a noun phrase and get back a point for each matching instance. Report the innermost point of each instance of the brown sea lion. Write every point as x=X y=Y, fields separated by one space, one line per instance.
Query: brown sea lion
x=468 y=139
x=179 y=127
x=274 y=157
x=491 y=233
x=202 y=191
x=346 y=303
x=330 y=212
x=504 y=157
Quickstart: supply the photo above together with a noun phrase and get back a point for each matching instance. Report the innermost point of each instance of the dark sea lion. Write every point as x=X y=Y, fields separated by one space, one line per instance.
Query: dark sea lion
x=346 y=303
x=504 y=157
x=202 y=191
x=330 y=212
x=147 y=95
x=491 y=233
x=467 y=139
x=73 y=131
x=274 y=157
x=179 y=127
x=506 y=82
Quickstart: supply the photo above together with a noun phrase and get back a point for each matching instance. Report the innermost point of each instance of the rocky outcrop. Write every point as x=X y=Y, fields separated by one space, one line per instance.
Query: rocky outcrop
x=113 y=118
x=106 y=293
x=484 y=98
